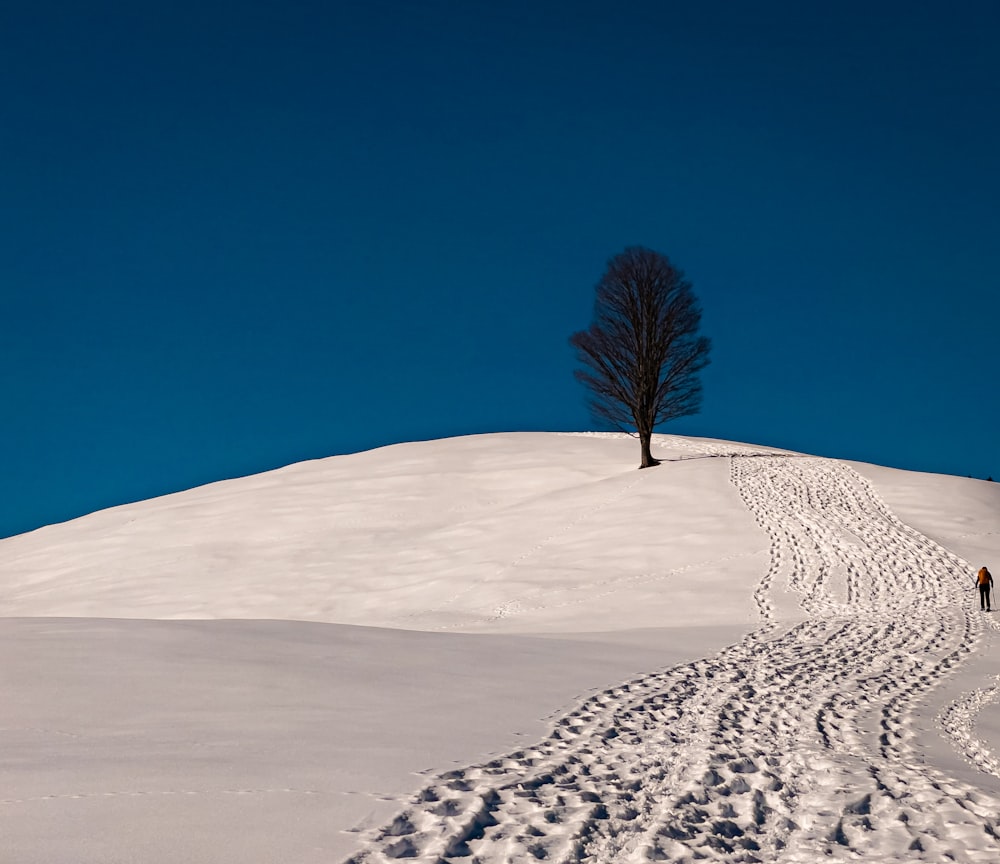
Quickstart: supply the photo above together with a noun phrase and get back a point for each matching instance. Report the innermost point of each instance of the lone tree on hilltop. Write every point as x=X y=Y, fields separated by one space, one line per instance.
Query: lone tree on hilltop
x=642 y=353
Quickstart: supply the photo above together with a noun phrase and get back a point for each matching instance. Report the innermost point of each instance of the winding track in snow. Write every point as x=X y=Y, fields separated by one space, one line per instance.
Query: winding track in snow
x=794 y=745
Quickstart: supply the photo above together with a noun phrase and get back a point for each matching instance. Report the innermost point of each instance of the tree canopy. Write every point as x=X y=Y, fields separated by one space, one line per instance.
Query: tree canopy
x=642 y=353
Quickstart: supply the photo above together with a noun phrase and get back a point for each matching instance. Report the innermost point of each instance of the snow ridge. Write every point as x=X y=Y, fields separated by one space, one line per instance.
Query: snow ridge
x=793 y=745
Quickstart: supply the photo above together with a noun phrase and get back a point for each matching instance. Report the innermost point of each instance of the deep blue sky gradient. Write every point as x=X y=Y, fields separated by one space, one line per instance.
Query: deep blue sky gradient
x=236 y=235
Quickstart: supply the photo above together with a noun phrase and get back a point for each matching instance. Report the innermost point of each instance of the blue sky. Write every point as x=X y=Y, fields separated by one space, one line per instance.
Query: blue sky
x=239 y=235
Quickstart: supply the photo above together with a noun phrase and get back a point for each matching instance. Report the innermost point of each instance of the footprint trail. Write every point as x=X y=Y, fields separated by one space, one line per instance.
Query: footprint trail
x=795 y=745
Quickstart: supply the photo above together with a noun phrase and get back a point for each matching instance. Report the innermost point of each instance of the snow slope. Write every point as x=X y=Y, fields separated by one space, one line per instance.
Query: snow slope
x=508 y=647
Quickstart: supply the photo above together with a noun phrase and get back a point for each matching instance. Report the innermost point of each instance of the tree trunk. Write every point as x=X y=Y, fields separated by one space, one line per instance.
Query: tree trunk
x=647 y=457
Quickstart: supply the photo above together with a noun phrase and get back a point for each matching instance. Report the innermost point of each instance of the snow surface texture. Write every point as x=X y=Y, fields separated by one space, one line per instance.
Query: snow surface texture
x=818 y=687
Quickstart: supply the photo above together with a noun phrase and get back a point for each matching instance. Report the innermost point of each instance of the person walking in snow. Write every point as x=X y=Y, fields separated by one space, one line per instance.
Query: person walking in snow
x=985 y=582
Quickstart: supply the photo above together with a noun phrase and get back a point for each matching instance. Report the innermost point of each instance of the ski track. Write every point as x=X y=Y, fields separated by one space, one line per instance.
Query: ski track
x=795 y=745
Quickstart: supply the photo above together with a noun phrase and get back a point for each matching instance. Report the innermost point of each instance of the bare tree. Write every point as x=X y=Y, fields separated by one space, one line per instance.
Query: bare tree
x=642 y=352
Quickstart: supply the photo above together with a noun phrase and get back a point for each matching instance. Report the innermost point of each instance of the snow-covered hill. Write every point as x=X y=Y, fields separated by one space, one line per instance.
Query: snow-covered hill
x=522 y=532
x=745 y=654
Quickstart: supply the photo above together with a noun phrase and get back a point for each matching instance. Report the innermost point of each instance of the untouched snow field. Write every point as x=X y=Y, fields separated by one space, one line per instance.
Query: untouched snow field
x=509 y=647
